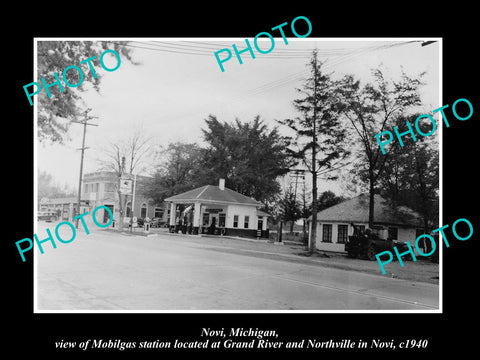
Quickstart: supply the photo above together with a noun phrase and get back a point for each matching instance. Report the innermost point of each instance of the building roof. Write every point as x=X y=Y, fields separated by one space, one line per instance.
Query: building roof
x=110 y=176
x=262 y=213
x=356 y=210
x=56 y=201
x=213 y=194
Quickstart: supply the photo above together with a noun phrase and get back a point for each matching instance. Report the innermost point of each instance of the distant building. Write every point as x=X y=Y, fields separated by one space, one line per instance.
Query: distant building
x=217 y=210
x=100 y=188
x=63 y=206
x=337 y=222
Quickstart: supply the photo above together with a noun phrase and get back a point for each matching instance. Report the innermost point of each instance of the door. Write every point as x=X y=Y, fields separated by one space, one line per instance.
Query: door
x=260 y=223
x=214 y=220
x=106 y=215
x=66 y=212
x=213 y=226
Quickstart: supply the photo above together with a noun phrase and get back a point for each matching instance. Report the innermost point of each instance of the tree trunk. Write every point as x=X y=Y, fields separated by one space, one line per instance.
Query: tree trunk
x=313 y=235
x=304 y=229
x=120 y=210
x=426 y=229
x=280 y=229
x=291 y=226
x=371 y=205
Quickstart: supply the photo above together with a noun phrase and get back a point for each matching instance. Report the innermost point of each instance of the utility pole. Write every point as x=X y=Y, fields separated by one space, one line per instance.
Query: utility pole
x=298 y=173
x=313 y=233
x=133 y=201
x=85 y=123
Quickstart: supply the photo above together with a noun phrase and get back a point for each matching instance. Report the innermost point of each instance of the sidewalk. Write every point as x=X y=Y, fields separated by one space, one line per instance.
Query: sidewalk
x=421 y=270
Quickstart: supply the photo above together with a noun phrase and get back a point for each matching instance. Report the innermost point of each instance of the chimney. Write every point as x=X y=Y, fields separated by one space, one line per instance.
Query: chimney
x=221 y=184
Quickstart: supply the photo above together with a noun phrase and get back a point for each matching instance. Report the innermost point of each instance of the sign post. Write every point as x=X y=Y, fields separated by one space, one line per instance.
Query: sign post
x=126 y=185
x=133 y=196
x=126 y=189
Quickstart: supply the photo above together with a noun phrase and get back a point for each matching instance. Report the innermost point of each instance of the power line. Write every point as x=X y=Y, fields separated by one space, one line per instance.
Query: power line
x=298 y=76
x=194 y=50
x=85 y=123
x=162 y=50
x=181 y=47
x=333 y=51
x=328 y=64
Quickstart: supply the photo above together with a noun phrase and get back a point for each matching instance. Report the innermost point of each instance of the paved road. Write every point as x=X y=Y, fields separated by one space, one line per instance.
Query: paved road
x=110 y=271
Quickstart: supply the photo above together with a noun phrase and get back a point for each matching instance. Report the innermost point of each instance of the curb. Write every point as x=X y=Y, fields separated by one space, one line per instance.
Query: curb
x=263 y=241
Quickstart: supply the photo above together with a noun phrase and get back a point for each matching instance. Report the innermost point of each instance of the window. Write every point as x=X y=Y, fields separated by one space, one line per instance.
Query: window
x=95 y=187
x=88 y=188
x=393 y=233
x=129 y=209
x=158 y=212
x=245 y=222
x=342 y=234
x=235 y=221
x=327 y=233
x=205 y=219
x=221 y=220
x=109 y=187
x=358 y=229
x=143 y=211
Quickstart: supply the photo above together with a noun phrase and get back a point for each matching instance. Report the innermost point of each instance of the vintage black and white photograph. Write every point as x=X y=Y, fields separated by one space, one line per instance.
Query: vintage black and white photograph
x=234 y=175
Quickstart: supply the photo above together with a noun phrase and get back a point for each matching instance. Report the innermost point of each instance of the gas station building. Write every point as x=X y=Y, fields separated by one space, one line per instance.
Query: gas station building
x=217 y=210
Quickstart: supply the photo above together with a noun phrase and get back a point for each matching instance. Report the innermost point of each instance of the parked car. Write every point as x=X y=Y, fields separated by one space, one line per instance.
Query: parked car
x=367 y=245
x=157 y=222
x=47 y=215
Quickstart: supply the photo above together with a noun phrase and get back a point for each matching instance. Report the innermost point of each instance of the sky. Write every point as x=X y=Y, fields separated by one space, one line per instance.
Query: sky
x=178 y=84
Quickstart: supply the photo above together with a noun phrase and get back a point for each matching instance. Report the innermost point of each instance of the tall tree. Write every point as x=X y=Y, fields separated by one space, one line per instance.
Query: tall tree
x=55 y=114
x=411 y=175
x=370 y=109
x=425 y=184
x=125 y=157
x=328 y=198
x=248 y=155
x=319 y=134
x=179 y=165
x=48 y=188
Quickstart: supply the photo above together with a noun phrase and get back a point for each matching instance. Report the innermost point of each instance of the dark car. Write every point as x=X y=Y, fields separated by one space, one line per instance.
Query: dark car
x=367 y=245
x=156 y=222
x=363 y=246
x=47 y=215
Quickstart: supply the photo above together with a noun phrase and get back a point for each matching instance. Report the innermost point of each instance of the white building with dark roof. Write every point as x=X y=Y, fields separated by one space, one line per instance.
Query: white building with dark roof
x=337 y=222
x=217 y=210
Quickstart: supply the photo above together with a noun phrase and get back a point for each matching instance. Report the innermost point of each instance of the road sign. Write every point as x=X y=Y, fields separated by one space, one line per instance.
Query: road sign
x=126 y=186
